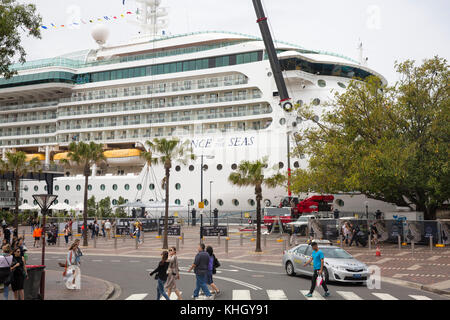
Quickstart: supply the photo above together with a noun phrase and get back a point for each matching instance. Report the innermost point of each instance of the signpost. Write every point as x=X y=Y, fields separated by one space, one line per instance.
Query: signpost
x=213 y=231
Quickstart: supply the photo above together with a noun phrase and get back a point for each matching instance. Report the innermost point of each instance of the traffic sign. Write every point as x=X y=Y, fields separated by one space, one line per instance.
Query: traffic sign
x=201 y=205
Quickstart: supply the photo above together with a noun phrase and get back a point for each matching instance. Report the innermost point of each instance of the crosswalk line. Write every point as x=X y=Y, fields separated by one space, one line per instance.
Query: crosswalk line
x=241 y=295
x=419 y=297
x=137 y=296
x=173 y=296
x=276 y=295
x=316 y=296
x=384 y=296
x=348 y=295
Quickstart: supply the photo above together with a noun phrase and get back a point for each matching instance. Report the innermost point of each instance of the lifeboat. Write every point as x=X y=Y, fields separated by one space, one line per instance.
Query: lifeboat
x=39 y=156
x=60 y=156
x=123 y=157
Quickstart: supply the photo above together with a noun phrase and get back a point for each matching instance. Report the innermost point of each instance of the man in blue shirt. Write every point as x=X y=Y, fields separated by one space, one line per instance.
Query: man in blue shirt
x=200 y=267
x=317 y=259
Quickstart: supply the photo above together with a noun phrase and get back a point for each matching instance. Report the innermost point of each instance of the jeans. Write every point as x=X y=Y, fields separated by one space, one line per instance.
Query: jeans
x=201 y=284
x=160 y=290
x=313 y=282
x=67 y=239
x=5 y=292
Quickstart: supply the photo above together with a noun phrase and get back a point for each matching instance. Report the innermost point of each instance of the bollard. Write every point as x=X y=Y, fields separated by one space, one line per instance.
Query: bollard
x=399 y=242
x=242 y=239
x=431 y=243
x=218 y=239
x=59 y=240
x=115 y=242
x=143 y=233
x=226 y=245
x=265 y=240
x=412 y=247
x=178 y=244
x=288 y=240
x=370 y=241
x=182 y=238
x=123 y=237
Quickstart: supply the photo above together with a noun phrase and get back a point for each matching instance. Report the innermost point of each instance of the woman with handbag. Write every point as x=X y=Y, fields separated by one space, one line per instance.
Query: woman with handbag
x=173 y=274
x=19 y=269
x=5 y=269
x=212 y=265
x=72 y=271
x=161 y=275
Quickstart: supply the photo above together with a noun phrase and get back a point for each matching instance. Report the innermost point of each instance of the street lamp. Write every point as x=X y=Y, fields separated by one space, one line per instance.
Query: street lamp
x=44 y=201
x=367 y=209
x=210 y=203
x=189 y=203
x=201 y=192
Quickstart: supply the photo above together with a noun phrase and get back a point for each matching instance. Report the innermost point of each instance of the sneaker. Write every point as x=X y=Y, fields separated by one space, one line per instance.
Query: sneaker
x=217 y=293
x=309 y=295
x=194 y=298
x=211 y=297
x=327 y=294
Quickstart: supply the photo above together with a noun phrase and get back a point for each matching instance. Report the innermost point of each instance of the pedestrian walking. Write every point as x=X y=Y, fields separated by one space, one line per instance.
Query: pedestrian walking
x=212 y=266
x=161 y=275
x=72 y=271
x=356 y=233
x=37 y=233
x=173 y=274
x=317 y=258
x=7 y=234
x=5 y=269
x=66 y=234
x=374 y=233
x=19 y=269
x=200 y=267
x=108 y=229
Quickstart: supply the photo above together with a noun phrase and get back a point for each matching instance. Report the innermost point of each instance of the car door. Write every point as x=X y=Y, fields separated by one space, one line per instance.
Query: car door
x=298 y=258
x=307 y=255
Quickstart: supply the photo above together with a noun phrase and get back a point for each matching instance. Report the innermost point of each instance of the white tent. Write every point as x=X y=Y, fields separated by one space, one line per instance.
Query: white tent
x=78 y=207
x=26 y=206
x=60 y=206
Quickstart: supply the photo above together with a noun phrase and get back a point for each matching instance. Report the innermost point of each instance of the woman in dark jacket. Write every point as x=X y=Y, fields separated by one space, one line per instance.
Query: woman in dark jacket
x=19 y=269
x=161 y=275
x=213 y=264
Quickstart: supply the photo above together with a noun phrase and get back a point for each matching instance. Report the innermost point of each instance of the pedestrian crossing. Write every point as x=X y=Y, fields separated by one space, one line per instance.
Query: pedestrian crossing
x=279 y=294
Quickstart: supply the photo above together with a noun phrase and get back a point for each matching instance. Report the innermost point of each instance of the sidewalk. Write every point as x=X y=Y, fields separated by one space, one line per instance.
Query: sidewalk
x=424 y=268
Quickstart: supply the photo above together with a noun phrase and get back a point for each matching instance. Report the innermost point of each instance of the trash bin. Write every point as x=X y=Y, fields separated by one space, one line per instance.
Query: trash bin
x=32 y=285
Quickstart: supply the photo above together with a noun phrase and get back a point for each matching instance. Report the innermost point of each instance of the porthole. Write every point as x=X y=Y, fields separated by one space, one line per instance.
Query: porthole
x=57 y=188
x=299 y=120
x=321 y=83
x=235 y=202
x=114 y=202
x=66 y=201
x=234 y=166
x=178 y=201
x=302 y=156
x=191 y=202
x=220 y=202
x=177 y=168
x=25 y=201
x=281 y=165
x=36 y=188
x=25 y=188
x=178 y=186
x=114 y=187
x=316 y=101
x=152 y=186
x=340 y=202
x=67 y=187
x=206 y=202
x=219 y=167
x=251 y=202
x=269 y=74
x=139 y=186
x=89 y=187
x=267 y=202
x=300 y=103
x=102 y=187
x=296 y=164
x=45 y=188
x=191 y=168
x=34 y=202
x=342 y=85
x=127 y=187
x=282 y=121
x=205 y=167
x=78 y=187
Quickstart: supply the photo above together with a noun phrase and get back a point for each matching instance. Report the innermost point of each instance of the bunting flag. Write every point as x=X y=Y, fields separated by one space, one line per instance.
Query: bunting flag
x=88 y=21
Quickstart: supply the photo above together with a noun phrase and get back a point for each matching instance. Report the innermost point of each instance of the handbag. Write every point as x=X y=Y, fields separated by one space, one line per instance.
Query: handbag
x=319 y=281
x=9 y=277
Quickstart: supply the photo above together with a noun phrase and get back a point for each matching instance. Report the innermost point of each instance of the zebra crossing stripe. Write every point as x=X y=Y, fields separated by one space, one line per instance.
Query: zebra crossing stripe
x=384 y=296
x=173 y=296
x=276 y=295
x=241 y=295
x=137 y=296
x=316 y=296
x=419 y=297
x=348 y=295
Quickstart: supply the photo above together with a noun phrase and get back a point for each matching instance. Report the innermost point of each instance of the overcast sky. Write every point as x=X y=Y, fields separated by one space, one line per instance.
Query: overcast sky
x=390 y=30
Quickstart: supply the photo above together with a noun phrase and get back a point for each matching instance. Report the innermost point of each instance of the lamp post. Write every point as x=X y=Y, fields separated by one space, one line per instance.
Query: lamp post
x=44 y=201
x=201 y=193
x=189 y=203
x=367 y=209
x=210 y=203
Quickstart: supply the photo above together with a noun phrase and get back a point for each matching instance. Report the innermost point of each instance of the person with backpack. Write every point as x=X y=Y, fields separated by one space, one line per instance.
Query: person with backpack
x=161 y=275
x=317 y=258
x=212 y=266
x=173 y=273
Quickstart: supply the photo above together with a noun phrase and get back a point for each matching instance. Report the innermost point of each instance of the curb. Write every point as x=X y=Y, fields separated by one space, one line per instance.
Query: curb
x=110 y=288
x=414 y=285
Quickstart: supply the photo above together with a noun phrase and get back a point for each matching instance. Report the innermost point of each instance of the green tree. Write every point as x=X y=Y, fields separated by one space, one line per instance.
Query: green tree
x=17 y=164
x=16 y=20
x=120 y=212
x=85 y=155
x=92 y=207
x=166 y=152
x=104 y=207
x=390 y=143
x=252 y=173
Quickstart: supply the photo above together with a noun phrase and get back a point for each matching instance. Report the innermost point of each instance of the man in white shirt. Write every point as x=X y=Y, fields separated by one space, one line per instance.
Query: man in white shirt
x=108 y=229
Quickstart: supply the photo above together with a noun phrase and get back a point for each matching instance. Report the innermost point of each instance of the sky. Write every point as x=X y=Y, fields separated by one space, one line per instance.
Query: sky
x=389 y=30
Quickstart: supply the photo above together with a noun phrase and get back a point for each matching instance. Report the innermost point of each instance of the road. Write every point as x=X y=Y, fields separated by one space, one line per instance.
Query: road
x=237 y=281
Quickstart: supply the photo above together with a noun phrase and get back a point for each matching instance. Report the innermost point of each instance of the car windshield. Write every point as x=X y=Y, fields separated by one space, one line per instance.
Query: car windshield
x=302 y=219
x=336 y=253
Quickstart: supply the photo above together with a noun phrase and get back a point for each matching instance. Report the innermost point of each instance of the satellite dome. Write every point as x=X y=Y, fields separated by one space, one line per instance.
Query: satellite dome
x=153 y=2
x=100 y=33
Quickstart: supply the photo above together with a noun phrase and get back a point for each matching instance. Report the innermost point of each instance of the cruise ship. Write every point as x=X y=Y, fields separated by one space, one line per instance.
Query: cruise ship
x=214 y=88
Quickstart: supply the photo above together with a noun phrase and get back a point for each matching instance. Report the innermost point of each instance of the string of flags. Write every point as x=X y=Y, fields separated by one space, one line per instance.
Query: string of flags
x=88 y=21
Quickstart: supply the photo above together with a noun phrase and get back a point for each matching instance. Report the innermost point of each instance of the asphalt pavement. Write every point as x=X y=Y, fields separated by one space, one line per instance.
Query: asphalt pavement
x=237 y=281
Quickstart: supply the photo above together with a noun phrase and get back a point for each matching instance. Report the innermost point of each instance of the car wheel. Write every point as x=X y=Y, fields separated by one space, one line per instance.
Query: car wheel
x=290 y=269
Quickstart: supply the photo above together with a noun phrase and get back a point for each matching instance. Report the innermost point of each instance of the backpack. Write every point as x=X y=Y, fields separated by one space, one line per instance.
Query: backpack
x=216 y=264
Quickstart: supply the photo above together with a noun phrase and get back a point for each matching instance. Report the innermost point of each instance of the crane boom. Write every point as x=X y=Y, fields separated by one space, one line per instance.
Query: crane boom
x=274 y=62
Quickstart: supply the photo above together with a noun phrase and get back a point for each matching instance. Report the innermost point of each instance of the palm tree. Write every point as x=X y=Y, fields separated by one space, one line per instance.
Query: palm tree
x=85 y=155
x=252 y=174
x=165 y=152
x=17 y=164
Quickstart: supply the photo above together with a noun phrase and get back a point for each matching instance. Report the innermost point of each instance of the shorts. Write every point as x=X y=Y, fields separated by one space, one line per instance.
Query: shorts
x=37 y=238
x=209 y=277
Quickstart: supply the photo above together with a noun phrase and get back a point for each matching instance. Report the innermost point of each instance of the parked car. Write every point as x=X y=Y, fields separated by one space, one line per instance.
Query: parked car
x=339 y=265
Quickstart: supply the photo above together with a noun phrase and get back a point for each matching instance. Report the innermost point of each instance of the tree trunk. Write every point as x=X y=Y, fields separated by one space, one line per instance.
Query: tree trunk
x=85 y=209
x=258 y=218
x=16 y=214
x=166 y=216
